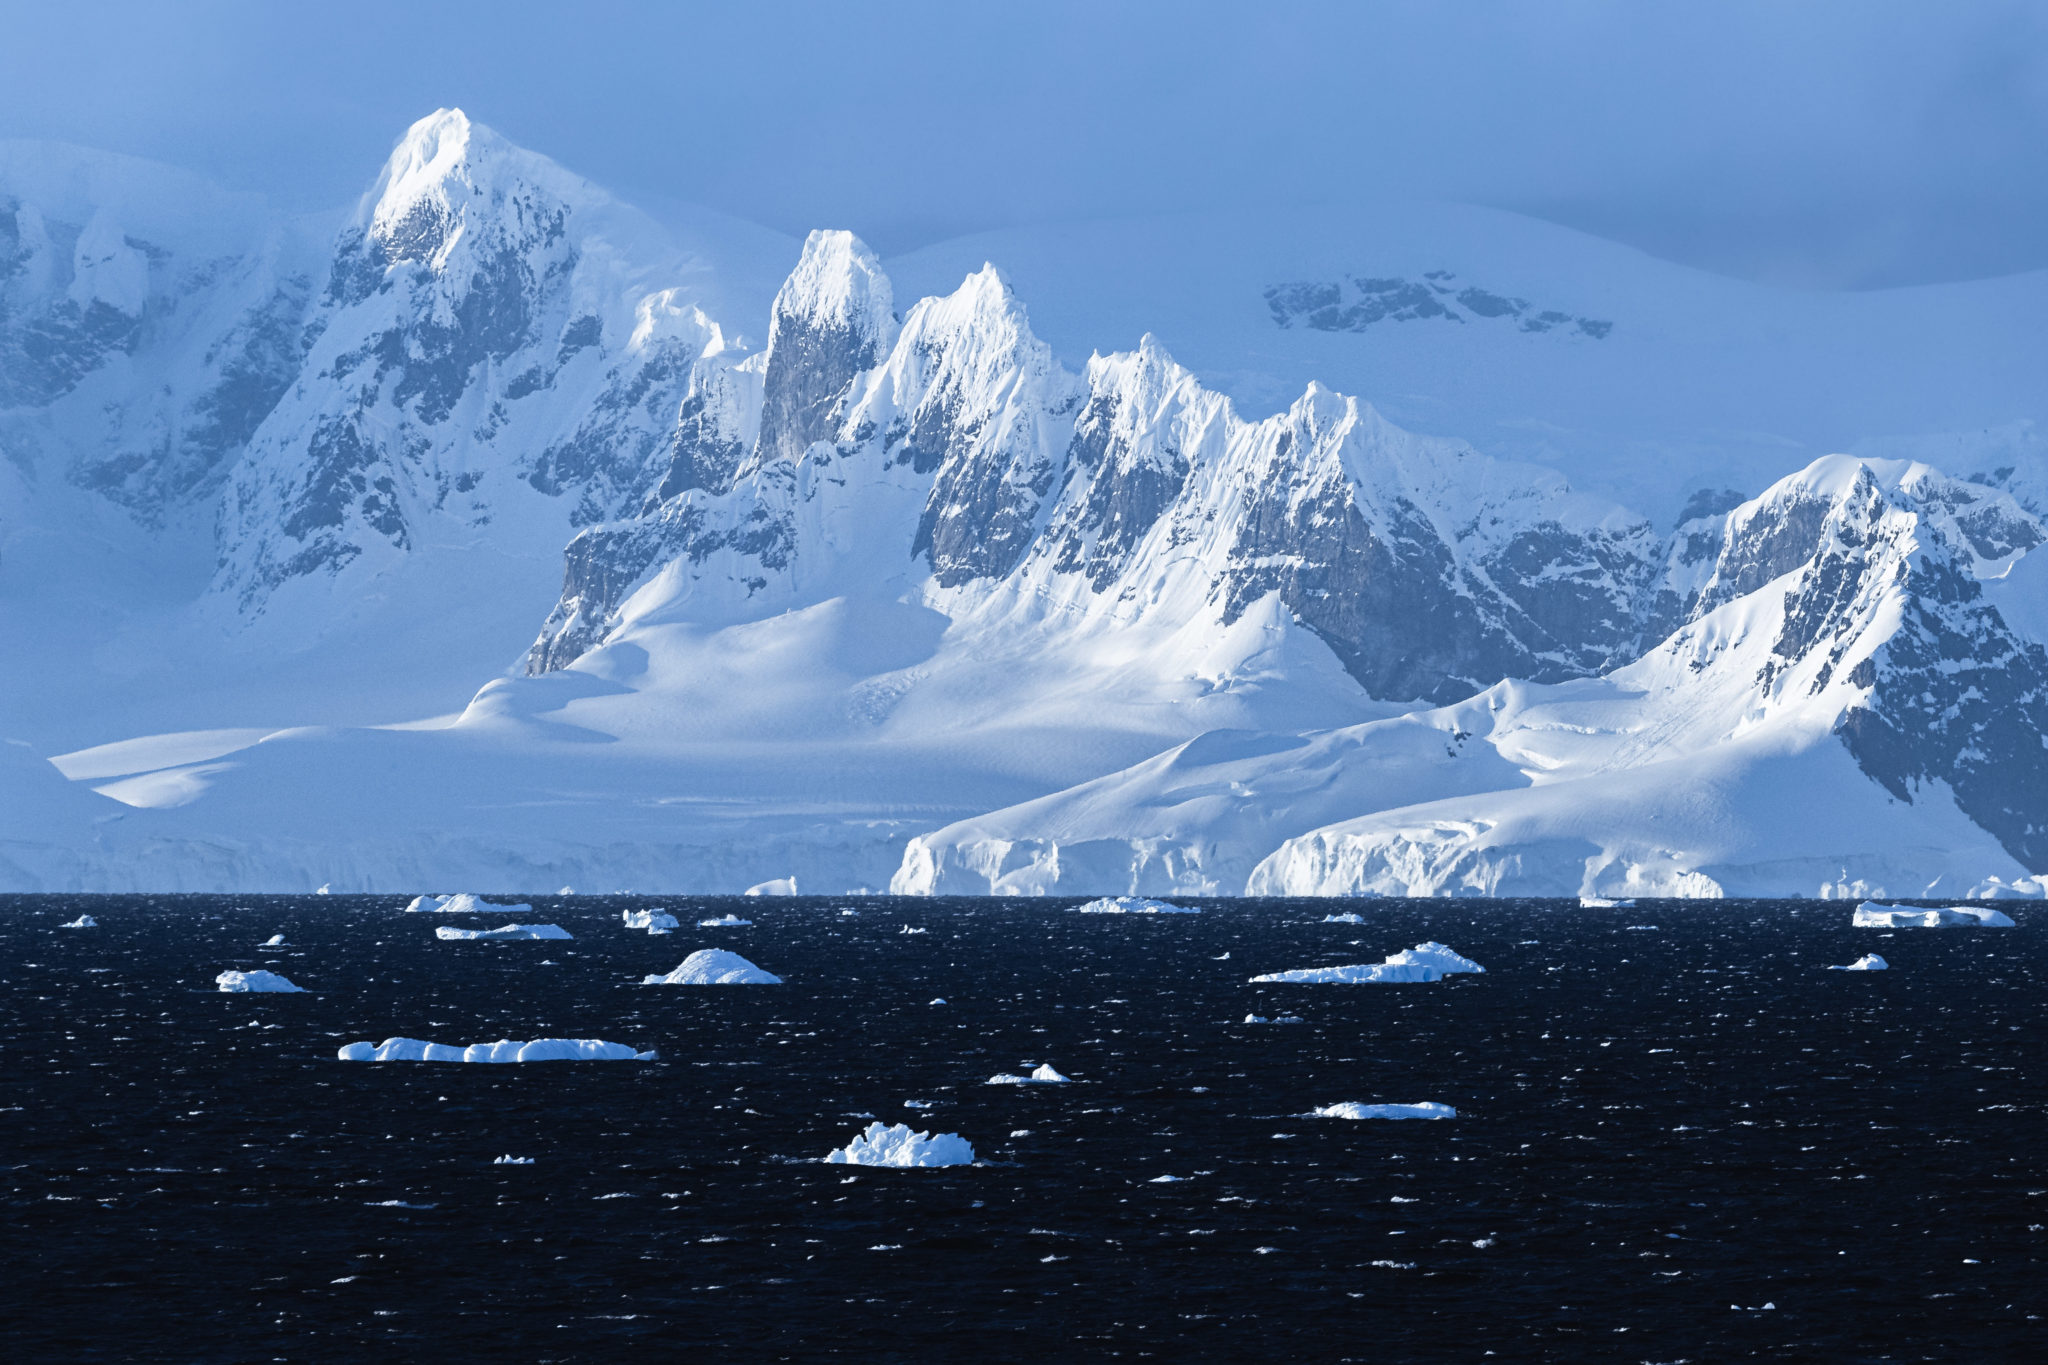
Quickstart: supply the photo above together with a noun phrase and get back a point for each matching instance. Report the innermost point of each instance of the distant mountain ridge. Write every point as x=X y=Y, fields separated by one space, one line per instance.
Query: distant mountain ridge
x=1053 y=629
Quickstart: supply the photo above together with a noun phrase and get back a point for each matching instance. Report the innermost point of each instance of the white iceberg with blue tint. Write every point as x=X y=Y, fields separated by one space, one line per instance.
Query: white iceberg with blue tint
x=504 y=1050
x=1871 y=915
x=1133 y=905
x=274 y=941
x=653 y=921
x=1351 y=1109
x=714 y=967
x=1430 y=961
x=725 y=922
x=1870 y=962
x=1348 y=917
x=239 y=982
x=1277 y=1019
x=460 y=903
x=780 y=886
x=82 y=922
x=509 y=931
x=1044 y=1075
x=1606 y=903
x=897 y=1145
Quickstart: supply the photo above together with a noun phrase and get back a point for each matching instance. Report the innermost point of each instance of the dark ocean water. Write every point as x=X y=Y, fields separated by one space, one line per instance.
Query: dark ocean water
x=1660 y=1131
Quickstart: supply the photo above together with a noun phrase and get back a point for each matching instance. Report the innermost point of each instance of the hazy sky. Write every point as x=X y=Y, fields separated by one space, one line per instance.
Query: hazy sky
x=1854 y=143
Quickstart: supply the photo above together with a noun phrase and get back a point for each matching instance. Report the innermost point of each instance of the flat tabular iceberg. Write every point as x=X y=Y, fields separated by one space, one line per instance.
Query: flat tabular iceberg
x=461 y=903
x=539 y=1050
x=1277 y=1019
x=1424 y=962
x=254 y=981
x=1871 y=915
x=522 y=931
x=653 y=921
x=82 y=922
x=725 y=922
x=1133 y=905
x=1348 y=917
x=714 y=967
x=1603 y=903
x=896 y=1145
x=1870 y=962
x=1044 y=1075
x=1354 y=1110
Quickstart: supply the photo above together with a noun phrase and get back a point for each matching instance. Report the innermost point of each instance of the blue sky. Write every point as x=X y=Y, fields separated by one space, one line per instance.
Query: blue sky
x=1821 y=143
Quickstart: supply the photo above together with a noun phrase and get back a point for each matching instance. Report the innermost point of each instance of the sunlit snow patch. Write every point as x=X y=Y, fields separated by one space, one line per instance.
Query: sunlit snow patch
x=653 y=921
x=1871 y=915
x=725 y=922
x=1133 y=905
x=461 y=903
x=714 y=967
x=897 y=1145
x=1044 y=1075
x=1870 y=962
x=1350 y=1109
x=504 y=1050
x=1424 y=962
x=254 y=981
x=82 y=922
x=519 y=931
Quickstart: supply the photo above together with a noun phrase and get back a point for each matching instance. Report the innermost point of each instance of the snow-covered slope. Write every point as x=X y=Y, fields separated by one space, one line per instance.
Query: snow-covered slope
x=912 y=595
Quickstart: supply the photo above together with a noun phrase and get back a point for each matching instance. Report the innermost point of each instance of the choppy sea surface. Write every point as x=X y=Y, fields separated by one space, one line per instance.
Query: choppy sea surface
x=1679 y=1137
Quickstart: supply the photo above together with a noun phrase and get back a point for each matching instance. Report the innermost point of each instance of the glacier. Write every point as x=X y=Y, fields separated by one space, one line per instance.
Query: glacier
x=858 y=574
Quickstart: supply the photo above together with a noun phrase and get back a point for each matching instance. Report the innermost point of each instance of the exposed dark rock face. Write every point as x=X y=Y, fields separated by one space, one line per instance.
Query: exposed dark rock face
x=1358 y=302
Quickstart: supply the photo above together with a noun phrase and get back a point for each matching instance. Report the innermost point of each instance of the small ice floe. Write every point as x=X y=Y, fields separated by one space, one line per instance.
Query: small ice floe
x=909 y=930
x=519 y=931
x=461 y=903
x=1650 y=927
x=82 y=922
x=725 y=922
x=897 y=1145
x=1348 y=917
x=1044 y=1075
x=918 y=1104
x=1353 y=1110
x=714 y=967
x=939 y=1000
x=237 y=982
x=780 y=886
x=1166 y=1180
x=848 y=912
x=1869 y=962
x=1424 y=962
x=1871 y=915
x=504 y=1050
x=274 y=941
x=1604 y=903
x=653 y=921
x=1277 y=1019
x=323 y=890
x=513 y=1161
x=1133 y=905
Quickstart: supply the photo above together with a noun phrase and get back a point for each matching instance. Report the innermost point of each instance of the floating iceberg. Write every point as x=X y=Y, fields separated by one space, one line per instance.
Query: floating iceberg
x=1044 y=1075
x=725 y=922
x=521 y=931
x=653 y=921
x=1277 y=1019
x=513 y=1161
x=1348 y=917
x=714 y=967
x=896 y=1145
x=82 y=922
x=461 y=903
x=1133 y=905
x=1354 y=1110
x=1424 y=962
x=1603 y=903
x=781 y=886
x=1871 y=915
x=1870 y=962
x=274 y=941
x=255 y=981
x=539 y=1050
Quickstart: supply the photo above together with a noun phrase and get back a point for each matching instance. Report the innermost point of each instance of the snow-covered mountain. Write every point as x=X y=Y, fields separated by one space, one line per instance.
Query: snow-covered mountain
x=908 y=596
